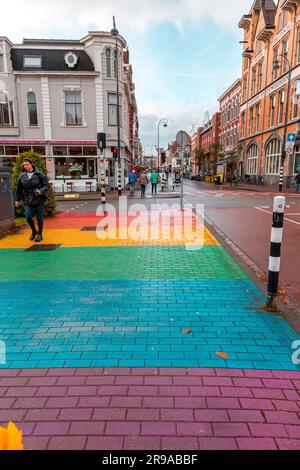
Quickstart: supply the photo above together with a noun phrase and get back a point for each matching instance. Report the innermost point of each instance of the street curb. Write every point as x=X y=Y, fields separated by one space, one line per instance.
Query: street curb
x=290 y=310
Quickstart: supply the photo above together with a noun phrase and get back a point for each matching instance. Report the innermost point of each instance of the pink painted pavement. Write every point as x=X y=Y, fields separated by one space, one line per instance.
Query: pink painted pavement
x=153 y=409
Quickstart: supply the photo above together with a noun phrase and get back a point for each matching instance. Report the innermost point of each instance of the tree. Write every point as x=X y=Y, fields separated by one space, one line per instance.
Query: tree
x=39 y=162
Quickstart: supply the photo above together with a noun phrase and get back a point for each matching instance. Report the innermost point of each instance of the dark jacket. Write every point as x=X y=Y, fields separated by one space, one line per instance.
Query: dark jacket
x=27 y=187
x=297 y=179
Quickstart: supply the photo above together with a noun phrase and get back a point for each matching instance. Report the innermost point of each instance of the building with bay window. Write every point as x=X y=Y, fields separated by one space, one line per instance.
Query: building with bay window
x=271 y=49
x=56 y=95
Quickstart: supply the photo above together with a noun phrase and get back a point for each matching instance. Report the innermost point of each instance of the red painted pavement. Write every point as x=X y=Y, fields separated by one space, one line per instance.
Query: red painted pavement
x=250 y=230
x=153 y=409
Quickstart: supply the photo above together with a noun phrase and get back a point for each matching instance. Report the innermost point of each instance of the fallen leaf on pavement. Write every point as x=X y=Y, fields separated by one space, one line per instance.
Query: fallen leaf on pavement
x=222 y=355
x=186 y=332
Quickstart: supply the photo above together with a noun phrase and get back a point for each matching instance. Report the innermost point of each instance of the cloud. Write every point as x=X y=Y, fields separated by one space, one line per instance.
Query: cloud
x=40 y=17
x=157 y=75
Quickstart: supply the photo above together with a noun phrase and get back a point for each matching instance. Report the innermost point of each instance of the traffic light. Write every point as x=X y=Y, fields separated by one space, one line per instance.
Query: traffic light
x=101 y=141
x=114 y=151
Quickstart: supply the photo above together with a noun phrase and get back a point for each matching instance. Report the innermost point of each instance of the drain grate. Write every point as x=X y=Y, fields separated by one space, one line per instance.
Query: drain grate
x=92 y=229
x=43 y=248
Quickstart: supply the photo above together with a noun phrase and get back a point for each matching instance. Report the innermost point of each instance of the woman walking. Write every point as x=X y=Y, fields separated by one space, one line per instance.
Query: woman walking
x=143 y=181
x=32 y=189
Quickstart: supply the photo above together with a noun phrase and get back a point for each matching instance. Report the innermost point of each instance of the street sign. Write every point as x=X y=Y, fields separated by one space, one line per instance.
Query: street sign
x=182 y=138
x=289 y=149
x=292 y=137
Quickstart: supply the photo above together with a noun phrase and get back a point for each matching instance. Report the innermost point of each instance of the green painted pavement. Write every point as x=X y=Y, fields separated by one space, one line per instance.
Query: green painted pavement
x=136 y=262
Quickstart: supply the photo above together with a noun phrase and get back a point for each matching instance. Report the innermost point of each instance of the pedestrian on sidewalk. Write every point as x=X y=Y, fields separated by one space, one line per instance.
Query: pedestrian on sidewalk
x=297 y=181
x=143 y=181
x=132 y=182
x=154 y=181
x=32 y=190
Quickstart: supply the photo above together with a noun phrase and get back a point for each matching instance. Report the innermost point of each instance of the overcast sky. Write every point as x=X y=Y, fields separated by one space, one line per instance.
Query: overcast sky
x=184 y=52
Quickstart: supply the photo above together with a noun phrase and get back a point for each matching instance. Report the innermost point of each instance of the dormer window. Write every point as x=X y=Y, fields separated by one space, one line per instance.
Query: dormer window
x=32 y=62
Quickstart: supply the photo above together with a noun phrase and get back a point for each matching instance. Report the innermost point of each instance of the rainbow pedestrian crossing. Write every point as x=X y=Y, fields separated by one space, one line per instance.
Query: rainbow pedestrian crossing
x=127 y=303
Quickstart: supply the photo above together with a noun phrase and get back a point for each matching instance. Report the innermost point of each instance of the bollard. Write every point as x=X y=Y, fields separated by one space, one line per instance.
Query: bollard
x=119 y=180
x=276 y=240
x=103 y=192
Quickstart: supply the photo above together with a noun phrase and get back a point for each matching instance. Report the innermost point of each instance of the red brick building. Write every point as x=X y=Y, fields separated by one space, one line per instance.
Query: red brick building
x=229 y=129
x=209 y=142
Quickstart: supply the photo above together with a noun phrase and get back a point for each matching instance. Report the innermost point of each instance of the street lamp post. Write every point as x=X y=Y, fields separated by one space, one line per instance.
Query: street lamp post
x=276 y=66
x=115 y=34
x=165 y=122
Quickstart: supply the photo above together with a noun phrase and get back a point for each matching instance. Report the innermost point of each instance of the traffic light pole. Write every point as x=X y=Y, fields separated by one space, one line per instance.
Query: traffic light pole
x=118 y=121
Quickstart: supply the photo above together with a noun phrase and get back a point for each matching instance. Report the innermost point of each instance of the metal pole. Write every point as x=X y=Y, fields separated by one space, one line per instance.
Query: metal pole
x=158 y=144
x=283 y=152
x=103 y=190
x=181 y=197
x=275 y=252
x=115 y=33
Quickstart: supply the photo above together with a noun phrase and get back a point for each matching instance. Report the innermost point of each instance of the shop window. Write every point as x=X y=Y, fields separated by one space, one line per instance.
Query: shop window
x=60 y=150
x=75 y=151
x=25 y=148
x=39 y=149
x=90 y=151
x=1 y=149
x=11 y=150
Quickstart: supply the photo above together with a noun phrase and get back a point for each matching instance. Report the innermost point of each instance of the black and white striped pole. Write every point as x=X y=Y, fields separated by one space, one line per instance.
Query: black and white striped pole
x=103 y=192
x=119 y=179
x=275 y=254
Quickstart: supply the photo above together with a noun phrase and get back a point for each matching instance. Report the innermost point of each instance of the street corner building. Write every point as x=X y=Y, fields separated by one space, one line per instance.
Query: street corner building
x=56 y=95
x=270 y=111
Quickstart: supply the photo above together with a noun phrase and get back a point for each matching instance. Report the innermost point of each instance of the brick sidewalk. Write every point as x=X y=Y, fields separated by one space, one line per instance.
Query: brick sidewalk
x=153 y=409
x=139 y=307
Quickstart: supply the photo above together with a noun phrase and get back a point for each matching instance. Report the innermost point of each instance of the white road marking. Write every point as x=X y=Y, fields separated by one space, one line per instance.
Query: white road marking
x=271 y=213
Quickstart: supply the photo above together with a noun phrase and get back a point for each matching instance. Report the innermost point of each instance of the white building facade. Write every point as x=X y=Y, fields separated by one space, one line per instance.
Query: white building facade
x=56 y=95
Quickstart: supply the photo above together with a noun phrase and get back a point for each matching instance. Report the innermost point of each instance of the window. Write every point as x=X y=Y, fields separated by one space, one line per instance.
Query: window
x=281 y=106
x=115 y=64
x=260 y=76
x=73 y=108
x=285 y=56
x=112 y=110
x=297 y=159
x=32 y=109
x=245 y=88
x=6 y=111
x=243 y=123
x=257 y=117
x=298 y=45
x=252 y=160
x=253 y=81
x=1 y=63
x=275 y=63
x=251 y=120
x=296 y=94
x=32 y=62
x=272 y=110
x=273 y=156
x=108 y=63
